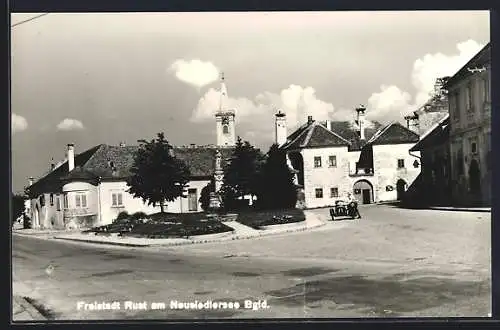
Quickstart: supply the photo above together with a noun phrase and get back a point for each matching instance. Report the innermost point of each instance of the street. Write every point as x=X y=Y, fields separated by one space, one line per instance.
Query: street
x=392 y=263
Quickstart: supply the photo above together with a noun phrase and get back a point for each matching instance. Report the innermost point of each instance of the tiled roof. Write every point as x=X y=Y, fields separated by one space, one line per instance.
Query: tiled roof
x=437 y=135
x=345 y=129
x=394 y=133
x=115 y=162
x=481 y=58
x=314 y=135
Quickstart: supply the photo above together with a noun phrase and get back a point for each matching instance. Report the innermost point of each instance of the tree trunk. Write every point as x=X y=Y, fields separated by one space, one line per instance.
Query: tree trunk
x=162 y=207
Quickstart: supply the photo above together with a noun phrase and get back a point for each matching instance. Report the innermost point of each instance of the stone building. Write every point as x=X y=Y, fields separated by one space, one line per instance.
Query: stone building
x=334 y=158
x=433 y=186
x=470 y=130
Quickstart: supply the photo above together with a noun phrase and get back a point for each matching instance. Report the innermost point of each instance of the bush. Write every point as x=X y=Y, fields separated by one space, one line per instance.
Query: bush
x=138 y=216
x=122 y=216
x=257 y=219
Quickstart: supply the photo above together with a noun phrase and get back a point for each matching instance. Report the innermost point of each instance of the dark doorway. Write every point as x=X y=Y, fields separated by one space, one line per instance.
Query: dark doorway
x=192 y=200
x=366 y=196
x=363 y=192
x=474 y=177
x=401 y=189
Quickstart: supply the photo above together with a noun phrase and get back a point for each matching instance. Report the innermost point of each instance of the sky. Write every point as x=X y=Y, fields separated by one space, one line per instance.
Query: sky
x=92 y=78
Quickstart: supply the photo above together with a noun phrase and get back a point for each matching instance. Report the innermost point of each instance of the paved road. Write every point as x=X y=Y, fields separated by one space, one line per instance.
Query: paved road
x=392 y=263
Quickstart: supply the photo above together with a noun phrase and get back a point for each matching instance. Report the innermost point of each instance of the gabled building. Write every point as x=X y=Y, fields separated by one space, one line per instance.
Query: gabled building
x=334 y=158
x=434 y=182
x=90 y=188
x=469 y=93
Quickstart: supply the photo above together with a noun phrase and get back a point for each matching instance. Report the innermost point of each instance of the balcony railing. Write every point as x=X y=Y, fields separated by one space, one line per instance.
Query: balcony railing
x=361 y=172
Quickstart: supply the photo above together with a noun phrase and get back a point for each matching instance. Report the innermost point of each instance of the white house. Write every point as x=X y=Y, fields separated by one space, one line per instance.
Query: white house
x=90 y=188
x=334 y=158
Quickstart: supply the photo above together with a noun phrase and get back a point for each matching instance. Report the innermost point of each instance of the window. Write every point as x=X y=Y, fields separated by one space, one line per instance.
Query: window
x=116 y=199
x=42 y=200
x=58 y=203
x=66 y=204
x=317 y=161
x=473 y=147
x=332 y=161
x=80 y=200
x=401 y=163
x=51 y=198
x=334 y=192
x=485 y=89
x=319 y=192
x=225 y=129
x=468 y=96
x=416 y=163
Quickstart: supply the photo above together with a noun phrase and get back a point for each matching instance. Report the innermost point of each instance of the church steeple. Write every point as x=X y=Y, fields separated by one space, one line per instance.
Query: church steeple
x=223 y=94
x=224 y=117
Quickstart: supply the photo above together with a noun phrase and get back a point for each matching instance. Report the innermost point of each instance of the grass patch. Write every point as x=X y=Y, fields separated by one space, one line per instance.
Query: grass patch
x=258 y=219
x=164 y=225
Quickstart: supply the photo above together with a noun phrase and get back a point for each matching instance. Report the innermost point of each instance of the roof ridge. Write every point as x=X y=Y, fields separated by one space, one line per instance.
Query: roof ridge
x=434 y=126
x=336 y=134
x=309 y=133
x=298 y=136
x=379 y=133
x=98 y=147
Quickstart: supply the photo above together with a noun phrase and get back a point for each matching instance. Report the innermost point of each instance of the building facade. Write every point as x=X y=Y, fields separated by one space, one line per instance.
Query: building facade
x=470 y=131
x=334 y=158
x=90 y=188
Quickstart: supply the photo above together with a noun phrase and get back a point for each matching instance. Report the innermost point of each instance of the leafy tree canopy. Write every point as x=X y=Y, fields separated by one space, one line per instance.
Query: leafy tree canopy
x=157 y=175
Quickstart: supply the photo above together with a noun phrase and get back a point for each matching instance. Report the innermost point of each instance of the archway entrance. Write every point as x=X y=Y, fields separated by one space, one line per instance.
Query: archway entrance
x=474 y=177
x=401 y=189
x=363 y=192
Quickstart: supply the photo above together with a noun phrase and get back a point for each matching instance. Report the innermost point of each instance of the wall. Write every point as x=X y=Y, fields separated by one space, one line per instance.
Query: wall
x=131 y=204
x=386 y=172
x=325 y=177
x=471 y=125
x=48 y=215
x=78 y=217
x=436 y=175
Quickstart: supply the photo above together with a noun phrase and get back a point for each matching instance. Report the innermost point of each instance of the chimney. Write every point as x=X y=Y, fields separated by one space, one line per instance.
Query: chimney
x=309 y=120
x=361 y=121
x=31 y=180
x=328 y=124
x=280 y=128
x=71 y=157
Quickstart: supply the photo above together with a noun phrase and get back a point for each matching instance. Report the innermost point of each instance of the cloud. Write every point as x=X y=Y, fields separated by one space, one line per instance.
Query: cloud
x=18 y=124
x=255 y=116
x=69 y=124
x=391 y=103
x=195 y=72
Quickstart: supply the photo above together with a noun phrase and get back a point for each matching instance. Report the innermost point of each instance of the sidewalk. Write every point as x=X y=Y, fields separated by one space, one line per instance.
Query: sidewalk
x=22 y=310
x=240 y=231
x=461 y=209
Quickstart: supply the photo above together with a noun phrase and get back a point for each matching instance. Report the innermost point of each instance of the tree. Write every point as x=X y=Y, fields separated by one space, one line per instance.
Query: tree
x=205 y=194
x=240 y=175
x=276 y=186
x=17 y=207
x=157 y=176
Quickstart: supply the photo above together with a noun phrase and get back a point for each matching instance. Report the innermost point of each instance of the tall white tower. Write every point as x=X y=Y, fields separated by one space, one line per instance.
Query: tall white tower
x=280 y=127
x=361 y=121
x=224 y=118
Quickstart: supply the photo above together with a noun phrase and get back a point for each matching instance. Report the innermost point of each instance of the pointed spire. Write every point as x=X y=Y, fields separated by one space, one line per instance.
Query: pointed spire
x=223 y=93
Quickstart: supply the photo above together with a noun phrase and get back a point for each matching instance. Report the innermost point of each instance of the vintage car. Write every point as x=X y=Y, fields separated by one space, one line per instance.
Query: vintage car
x=344 y=209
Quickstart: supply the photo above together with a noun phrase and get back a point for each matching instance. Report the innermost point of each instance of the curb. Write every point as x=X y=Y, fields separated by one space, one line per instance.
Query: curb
x=28 y=308
x=460 y=209
x=100 y=242
x=201 y=241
